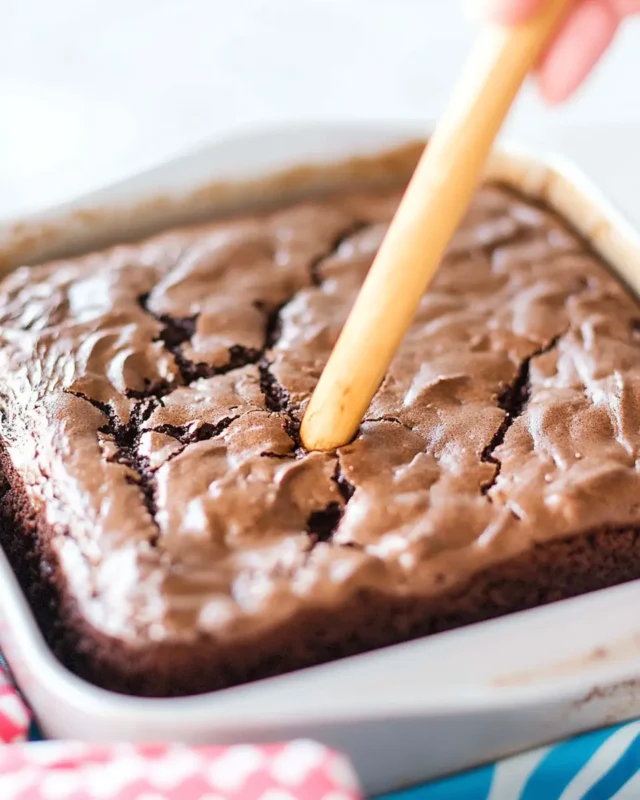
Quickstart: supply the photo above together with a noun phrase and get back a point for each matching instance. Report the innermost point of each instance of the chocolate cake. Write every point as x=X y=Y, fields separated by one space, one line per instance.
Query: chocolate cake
x=173 y=535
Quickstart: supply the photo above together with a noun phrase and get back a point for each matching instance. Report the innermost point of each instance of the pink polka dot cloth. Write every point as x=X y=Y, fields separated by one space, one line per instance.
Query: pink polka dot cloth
x=15 y=718
x=39 y=770
x=299 y=770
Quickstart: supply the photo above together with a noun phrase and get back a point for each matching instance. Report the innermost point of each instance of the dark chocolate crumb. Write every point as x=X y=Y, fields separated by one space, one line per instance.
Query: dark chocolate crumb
x=126 y=437
x=343 y=236
x=513 y=400
x=177 y=331
x=187 y=434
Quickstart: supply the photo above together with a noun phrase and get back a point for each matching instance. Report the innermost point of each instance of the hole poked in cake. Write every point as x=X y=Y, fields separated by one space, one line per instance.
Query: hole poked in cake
x=322 y=524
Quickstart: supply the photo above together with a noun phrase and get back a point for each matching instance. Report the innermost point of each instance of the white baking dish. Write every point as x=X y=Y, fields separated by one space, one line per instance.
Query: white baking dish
x=405 y=713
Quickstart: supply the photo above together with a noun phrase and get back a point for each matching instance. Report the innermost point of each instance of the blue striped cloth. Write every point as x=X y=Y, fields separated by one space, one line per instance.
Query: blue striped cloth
x=602 y=765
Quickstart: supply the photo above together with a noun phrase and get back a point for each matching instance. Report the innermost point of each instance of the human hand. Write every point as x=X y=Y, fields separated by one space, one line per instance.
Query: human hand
x=584 y=37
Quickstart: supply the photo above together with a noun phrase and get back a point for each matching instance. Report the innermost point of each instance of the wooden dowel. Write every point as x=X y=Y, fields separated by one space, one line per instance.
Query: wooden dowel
x=436 y=199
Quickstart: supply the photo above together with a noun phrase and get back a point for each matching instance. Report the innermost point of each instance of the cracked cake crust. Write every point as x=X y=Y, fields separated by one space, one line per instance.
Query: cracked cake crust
x=158 y=506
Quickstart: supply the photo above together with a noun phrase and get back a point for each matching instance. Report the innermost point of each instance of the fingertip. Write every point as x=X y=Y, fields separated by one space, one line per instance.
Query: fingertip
x=576 y=50
x=549 y=91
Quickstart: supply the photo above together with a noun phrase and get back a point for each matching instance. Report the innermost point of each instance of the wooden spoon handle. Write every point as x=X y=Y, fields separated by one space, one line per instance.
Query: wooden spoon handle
x=437 y=197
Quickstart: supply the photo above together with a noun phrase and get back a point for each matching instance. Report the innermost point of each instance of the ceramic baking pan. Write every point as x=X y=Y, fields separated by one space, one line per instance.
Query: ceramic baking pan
x=408 y=712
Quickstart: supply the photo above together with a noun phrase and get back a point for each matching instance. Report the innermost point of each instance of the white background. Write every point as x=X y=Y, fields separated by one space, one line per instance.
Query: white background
x=91 y=90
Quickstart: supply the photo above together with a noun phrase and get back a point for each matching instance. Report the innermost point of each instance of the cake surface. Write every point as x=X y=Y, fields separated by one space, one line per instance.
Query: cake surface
x=172 y=533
